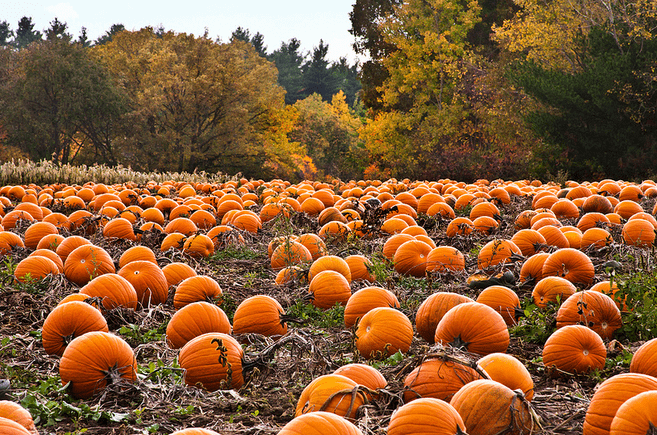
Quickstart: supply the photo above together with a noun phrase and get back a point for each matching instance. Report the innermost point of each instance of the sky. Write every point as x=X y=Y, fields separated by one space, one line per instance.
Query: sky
x=278 y=20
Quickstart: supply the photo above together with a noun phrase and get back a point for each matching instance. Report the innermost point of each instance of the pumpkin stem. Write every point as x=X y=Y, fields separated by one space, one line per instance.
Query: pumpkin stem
x=285 y=318
x=358 y=390
x=458 y=343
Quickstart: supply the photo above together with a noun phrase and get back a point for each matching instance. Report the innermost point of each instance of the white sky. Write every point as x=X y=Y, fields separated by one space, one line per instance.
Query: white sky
x=278 y=20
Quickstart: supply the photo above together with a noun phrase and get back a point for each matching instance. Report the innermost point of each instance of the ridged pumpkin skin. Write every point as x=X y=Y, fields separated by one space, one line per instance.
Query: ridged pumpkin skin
x=330 y=262
x=503 y=300
x=51 y=255
x=637 y=232
x=212 y=361
x=195 y=431
x=193 y=320
x=362 y=374
x=89 y=357
x=437 y=378
x=114 y=291
x=366 y=299
x=611 y=394
x=35 y=268
x=571 y=264
x=359 y=267
x=175 y=273
x=507 y=370
x=260 y=314
x=432 y=310
x=316 y=395
x=290 y=253
x=87 y=262
x=14 y=411
x=10 y=427
x=382 y=332
x=411 y=258
x=496 y=252
x=474 y=327
x=148 y=280
x=196 y=288
x=320 y=423
x=488 y=407
x=592 y=309
x=328 y=288
x=68 y=321
x=644 y=359
x=637 y=416
x=574 y=348
x=528 y=241
x=551 y=288
x=426 y=416
x=443 y=259
x=532 y=269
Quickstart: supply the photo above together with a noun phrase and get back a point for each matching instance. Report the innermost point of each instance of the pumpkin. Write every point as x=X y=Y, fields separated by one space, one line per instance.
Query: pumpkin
x=444 y=259
x=644 y=359
x=441 y=209
x=439 y=378
x=291 y=274
x=35 y=268
x=432 y=310
x=69 y=244
x=592 y=220
x=523 y=220
x=529 y=241
x=364 y=375
x=193 y=320
x=148 y=280
x=571 y=264
x=552 y=289
x=610 y=395
x=93 y=360
x=393 y=242
x=597 y=203
x=203 y=219
x=488 y=407
x=626 y=208
x=319 y=422
x=565 y=209
x=639 y=232
x=333 y=393
x=114 y=291
x=495 y=252
x=328 y=288
x=554 y=237
x=334 y=232
x=507 y=370
x=610 y=288
x=592 y=309
x=196 y=288
x=360 y=268
x=382 y=332
x=11 y=427
x=15 y=412
x=394 y=226
x=198 y=246
x=195 y=431
x=87 y=262
x=181 y=225
x=531 y=270
x=50 y=242
x=177 y=272
x=596 y=237
x=503 y=300
x=426 y=416
x=411 y=258
x=330 y=262
x=9 y=241
x=474 y=327
x=119 y=228
x=312 y=206
x=366 y=299
x=574 y=348
x=67 y=321
x=637 y=415
x=460 y=226
x=290 y=253
x=37 y=231
x=137 y=253
x=11 y=219
x=314 y=244
x=260 y=314
x=212 y=361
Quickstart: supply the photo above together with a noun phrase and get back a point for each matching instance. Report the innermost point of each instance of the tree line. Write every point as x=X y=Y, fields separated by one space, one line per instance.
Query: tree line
x=461 y=89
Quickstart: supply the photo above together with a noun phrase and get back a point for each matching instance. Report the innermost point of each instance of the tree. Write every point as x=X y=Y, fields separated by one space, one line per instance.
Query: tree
x=257 y=40
x=5 y=33
x=57 y=30
x=197 y=104
x=83 y=39
x=347 y=80
x=318 y=78
x=109 y=35
x=594 y=81
x=56 y=102
x=329 y=131
x=288 y=61
x=25 y=34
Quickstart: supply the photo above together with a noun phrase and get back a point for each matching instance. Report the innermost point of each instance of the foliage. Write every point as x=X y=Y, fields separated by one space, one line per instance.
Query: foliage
x=636 y=291
x=537 y=324
x=313 y=316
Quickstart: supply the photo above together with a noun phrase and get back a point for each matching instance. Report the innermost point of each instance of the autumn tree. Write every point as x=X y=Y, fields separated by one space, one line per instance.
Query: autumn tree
x=593 y=79
x=55 y=102
x=329 y=131
x=198 y=104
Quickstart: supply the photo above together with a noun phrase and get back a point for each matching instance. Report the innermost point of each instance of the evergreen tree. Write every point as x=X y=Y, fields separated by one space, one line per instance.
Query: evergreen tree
x=5 y=33
x=318 y=78
x=83 y=39
x=25 y=34
x=288 y=61
x=57 y=30
x=257 y=40
x=107 y=37
x=347 y=79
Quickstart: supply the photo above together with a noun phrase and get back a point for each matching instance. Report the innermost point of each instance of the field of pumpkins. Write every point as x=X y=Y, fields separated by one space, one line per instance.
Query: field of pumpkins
x=369 y=307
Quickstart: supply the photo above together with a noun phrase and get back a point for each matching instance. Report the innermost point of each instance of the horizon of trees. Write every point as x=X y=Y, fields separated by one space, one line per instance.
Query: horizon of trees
x=461 y=89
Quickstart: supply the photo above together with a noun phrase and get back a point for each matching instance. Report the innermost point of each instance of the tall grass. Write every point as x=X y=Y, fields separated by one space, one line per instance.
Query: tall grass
x=46 y=172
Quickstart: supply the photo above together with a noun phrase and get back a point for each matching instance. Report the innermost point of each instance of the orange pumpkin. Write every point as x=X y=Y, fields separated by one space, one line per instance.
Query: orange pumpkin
x=260 y=314
x=67 y=321
x=322 y=422
x=644 y=359
x=328 y=288
x=382 y=332
x=638 y=415
x=571 y=264
x=426 y=415
x=212 y=361
x=15 y=412
x=592 y=309
x=411 y=258
x=507 y=370
x=332 y=393
x=432 y=310
x=193 y=320
x=87 y=262
x=439 y=378
x=503 y=300
x=365 y=300
x=574 y=348
x=196 y=288
x=552 y=289
x=495 y=252
x=148 y=280
x=114 y=291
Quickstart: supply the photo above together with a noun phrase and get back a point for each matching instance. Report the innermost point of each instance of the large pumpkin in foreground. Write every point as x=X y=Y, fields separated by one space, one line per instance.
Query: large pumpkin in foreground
x=212 y=361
